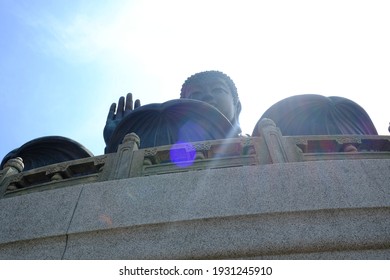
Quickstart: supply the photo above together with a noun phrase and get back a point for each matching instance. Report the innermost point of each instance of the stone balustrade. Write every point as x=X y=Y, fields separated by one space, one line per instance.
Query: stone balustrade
x=130 y=161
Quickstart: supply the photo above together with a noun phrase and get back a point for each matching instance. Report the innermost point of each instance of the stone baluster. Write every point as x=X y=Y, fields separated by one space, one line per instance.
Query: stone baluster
x=122 y=163
x=11 y=167
x=279 y=149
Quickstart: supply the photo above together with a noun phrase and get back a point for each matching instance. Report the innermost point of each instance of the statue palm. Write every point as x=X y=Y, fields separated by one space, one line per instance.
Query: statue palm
x=117 y=113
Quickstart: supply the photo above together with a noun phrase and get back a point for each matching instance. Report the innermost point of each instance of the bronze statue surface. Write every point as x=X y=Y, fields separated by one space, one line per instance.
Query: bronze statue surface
x=312 y=114
x=175 y=121
x=47 y=150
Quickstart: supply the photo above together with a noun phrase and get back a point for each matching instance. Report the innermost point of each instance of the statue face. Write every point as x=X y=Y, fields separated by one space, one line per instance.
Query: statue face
x=215 y=92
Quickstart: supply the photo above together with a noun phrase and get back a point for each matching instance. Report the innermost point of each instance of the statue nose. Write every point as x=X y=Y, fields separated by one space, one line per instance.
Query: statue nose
x=207 y=96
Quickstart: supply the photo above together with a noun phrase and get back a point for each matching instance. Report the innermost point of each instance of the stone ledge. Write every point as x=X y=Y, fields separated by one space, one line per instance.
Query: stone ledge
x=50 y=248
x=325 y=234
x=282 y=234
x=239 y=212
x=37 y=215
x=235 y=191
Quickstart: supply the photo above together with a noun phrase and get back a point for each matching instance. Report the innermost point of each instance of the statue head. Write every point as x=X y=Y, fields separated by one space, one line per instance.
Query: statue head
x=216 y=89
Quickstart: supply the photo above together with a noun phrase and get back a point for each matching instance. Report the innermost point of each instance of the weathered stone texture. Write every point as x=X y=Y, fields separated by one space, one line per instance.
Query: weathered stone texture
x=303 y=210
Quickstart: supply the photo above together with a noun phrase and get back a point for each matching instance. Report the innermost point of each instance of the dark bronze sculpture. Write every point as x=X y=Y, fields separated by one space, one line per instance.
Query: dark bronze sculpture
x=175 y=121
x=160 y=124
x=47 y=150
x=116 y=114
x=217 y=89
x=208 y=109
x=311 y=114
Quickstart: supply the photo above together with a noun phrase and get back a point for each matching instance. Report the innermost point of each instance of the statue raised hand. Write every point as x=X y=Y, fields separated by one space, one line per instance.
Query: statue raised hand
x=125 y=106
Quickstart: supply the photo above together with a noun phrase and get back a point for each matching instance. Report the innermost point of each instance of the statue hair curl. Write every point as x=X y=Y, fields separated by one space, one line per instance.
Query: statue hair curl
x=206 y=75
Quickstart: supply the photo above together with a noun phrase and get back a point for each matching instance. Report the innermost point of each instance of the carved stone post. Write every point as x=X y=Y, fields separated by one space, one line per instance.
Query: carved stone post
x=279 y=149
x=123 y=160
x=12 y=167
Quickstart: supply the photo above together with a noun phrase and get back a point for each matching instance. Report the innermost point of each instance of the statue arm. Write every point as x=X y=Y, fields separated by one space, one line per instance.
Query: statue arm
x=117 y=113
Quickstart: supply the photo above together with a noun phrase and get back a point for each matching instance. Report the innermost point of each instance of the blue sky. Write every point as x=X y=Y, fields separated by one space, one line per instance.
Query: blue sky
x=62 y=63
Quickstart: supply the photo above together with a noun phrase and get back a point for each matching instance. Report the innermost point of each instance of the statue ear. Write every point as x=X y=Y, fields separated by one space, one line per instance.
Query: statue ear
x=238 y=109
x=236 y=115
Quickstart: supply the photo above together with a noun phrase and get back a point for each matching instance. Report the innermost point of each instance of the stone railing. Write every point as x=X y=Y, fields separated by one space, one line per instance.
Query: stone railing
x=130 y=161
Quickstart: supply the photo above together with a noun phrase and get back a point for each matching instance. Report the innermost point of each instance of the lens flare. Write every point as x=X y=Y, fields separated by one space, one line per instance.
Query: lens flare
x=182 y=154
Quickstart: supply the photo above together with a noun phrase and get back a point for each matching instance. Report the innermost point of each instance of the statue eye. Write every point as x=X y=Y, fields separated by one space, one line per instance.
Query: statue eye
x=195 y=94
x=220 y=90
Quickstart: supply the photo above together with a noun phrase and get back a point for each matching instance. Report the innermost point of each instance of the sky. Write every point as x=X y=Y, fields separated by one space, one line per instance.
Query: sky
x=62 y=63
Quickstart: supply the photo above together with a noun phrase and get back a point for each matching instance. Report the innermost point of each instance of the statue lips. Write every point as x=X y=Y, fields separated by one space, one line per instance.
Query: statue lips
x=175 y=121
